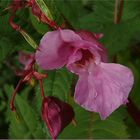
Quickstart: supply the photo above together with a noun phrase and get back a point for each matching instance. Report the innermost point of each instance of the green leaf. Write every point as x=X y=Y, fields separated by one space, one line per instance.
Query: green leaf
x=131 y=10
x=25 y=123
x=57 y=84
x=71 y=10
x=4 y=22
x=133 y=129
x=6 y=48
x=40 y=27
x=117 y=37
x=125 y=59
x=90 y=126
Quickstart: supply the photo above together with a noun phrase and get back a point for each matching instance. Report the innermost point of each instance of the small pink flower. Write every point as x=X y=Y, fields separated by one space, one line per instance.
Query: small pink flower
x=26 y=59
x=56 y=114
x=102 y=87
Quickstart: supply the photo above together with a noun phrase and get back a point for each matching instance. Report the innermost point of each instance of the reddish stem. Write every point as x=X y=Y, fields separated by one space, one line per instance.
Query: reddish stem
x=14 y=95
x=42 y=89
x=11 y=21
x=116 y=11
x=134 y=112
x=51 y=23
x=120 y=11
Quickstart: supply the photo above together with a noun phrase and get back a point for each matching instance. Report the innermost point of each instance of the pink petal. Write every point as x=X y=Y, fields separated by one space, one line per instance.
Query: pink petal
x=93 y=37
x=82 y=46
x=54 y=49
x=90 y=36
x=104 y=88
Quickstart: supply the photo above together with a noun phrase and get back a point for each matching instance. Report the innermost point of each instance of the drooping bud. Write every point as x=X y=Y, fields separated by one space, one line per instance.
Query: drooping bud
x=44 y=8
x=56 y=114
x=43 y=13
x=29 y=39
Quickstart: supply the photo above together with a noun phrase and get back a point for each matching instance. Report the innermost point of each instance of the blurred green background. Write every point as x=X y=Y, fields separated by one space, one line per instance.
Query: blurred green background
x=123 y=43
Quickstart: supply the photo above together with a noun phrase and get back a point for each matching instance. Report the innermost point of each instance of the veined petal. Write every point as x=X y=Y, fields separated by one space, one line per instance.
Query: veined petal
x=55 y=48
x=104 y=88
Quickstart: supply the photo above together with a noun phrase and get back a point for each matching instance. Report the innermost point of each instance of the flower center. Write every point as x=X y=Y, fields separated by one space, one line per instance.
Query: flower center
x=86 y=56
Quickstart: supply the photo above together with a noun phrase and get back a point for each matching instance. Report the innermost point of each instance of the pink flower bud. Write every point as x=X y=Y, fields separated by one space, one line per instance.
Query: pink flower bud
x=56 y=114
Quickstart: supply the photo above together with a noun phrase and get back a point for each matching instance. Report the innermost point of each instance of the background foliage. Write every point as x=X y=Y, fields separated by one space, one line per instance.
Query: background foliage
x=123 y=43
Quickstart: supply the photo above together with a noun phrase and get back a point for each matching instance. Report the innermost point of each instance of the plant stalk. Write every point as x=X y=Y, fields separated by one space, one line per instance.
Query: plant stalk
x=118 y=10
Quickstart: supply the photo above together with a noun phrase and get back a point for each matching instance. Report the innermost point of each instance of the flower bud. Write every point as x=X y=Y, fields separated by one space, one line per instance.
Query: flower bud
x=56 y=114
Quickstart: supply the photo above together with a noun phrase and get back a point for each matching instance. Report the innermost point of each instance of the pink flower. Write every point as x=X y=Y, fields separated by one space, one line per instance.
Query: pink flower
x=56 y=114
x=102 y=87
x=26 y=59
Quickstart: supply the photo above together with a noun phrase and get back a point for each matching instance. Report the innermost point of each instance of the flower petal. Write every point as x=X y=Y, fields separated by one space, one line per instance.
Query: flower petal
x=80 y=47
x=54 y=49
x=89 y=36
x=104 y=88
x=93 y=37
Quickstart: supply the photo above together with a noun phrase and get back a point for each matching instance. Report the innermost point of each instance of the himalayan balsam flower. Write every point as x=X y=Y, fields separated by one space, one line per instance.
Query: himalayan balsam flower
x=56 y=114
x=102 y=87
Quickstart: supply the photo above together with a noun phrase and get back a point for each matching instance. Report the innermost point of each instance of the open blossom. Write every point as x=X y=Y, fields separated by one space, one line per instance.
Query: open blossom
x=102 y=87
